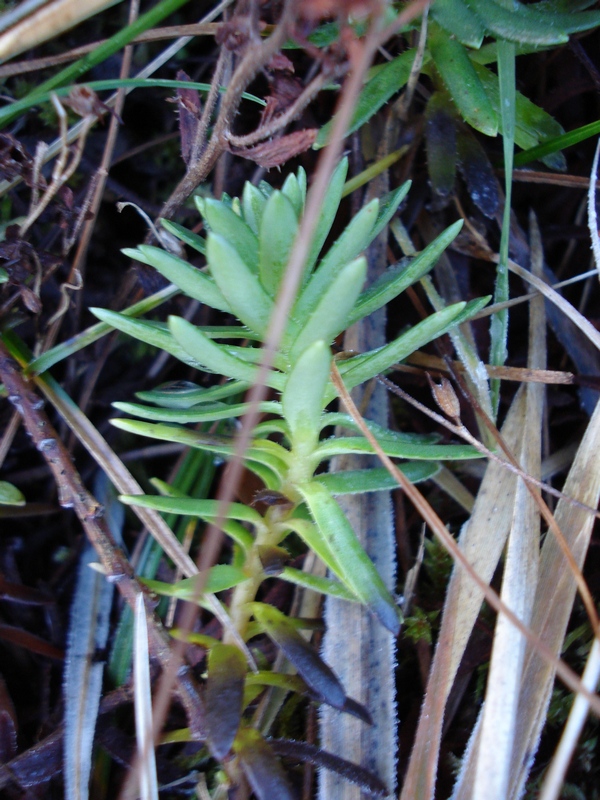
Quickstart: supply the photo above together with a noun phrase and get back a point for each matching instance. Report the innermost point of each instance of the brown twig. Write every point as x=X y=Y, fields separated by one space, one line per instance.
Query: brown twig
x=73 y=494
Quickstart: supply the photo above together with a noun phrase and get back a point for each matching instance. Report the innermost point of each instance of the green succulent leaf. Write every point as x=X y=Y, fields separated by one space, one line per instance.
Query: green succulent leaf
x=192 y=507
x=329 y=209
x=457 y=18
x=208 y=412
x=318 y=584
x=302 y=399
x=189 y=279
x=388 y=205
x=239 y=284
x=347 y=247
x=395 y=449
x=218 y=579
x=358 y=571
x=318 y=543
x=224 y=697
x=377 y=479
x=268 y=454
x=196 y=242
x=361 y=368
x=10 y=495
x=294 y=188
x=329 y=316
x=213 y=357
x=278 y=229
x=224 y=222
x=460 y=78
x=253 y=205
x=398 y=278
x=184 y=394
x=152 y=333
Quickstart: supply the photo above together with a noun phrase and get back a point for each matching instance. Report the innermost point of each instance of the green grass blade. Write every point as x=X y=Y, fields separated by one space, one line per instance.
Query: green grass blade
x=97 y=56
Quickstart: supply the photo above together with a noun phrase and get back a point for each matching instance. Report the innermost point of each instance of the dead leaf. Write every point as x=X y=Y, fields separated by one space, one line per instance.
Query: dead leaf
x=276 y=152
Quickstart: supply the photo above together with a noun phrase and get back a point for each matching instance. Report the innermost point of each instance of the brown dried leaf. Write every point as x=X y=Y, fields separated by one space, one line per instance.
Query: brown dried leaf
x=277 y=151
x=188 y=101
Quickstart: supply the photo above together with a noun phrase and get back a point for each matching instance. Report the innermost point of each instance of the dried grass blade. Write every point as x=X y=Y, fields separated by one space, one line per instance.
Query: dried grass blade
x=146 y=765
x=494 y=754
x=88 y=634
x=492 y=515
x=554 y=599
x=577 y=717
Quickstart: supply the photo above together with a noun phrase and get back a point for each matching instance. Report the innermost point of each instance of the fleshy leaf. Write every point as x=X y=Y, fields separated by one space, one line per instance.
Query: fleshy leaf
x=153 y=333
x=220 y=578
x=208 y=412
x=253 y=205
x=229 y=225
x=398 y=278
x=189 y=279
x=347 y=247
x=358 y=570
x=212 y=356
x=278 y=230
x=185 y=394
x=329 y=315
x=302 y=399
x=238 y=284
x=10 y=495
x=186 y=236
x=377 y=479
x=329 y=209
x=224 y=697
x=363 y=367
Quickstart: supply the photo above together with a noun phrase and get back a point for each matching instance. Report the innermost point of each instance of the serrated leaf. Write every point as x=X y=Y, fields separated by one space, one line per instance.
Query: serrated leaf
x=278 y=230
x=358 y=571
x=224 y=697
x=189 y=279
x=460 y=78
x=329 y=316
x=213 y=357
x=10 y=495
x=224 y=222
x=346 y=248
x=459 y=20
x=398 y=278
x=253 y=204
x=302 y=398
x=196 y=242
x=377 y=91
x=239 y=284
x=261 y=767
x=312 y=669
x=377 y=479
x=361 y=368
